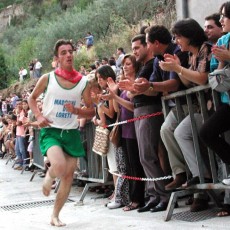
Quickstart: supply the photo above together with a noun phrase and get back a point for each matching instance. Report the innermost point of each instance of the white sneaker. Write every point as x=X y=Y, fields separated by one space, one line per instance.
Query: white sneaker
x=113 y=205
x=226 y=181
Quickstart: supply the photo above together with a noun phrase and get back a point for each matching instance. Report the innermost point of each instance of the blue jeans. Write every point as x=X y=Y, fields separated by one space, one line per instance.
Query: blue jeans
x=20 y=149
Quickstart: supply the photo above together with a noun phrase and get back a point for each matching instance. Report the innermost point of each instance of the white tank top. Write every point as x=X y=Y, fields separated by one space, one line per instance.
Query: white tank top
x=55 y=98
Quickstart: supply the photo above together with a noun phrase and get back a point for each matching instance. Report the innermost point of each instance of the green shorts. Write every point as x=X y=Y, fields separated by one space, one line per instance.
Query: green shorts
x=68 y=140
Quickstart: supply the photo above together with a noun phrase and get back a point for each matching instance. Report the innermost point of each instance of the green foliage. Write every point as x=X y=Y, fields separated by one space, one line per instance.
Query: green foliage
x=3 y=71
x=25 y=52
x=82 y=4
x=113 y=23
x=5 y=3
x=85 y=58
x=107 y=46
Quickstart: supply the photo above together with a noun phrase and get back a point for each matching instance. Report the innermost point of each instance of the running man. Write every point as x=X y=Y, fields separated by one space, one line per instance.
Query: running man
x=59 y=137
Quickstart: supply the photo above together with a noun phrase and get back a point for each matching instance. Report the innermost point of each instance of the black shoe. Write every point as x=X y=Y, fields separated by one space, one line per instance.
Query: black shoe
x=27 y=168
x=177 y=182
x=196 y=180
x=148 y=206
x=162 y=206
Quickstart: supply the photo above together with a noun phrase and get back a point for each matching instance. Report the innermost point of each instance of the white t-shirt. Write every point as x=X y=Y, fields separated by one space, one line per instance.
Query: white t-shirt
x=55 y=98
x=38 y=65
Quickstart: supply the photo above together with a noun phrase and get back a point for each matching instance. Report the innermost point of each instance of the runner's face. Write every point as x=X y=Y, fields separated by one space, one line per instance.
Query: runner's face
x=65 y=57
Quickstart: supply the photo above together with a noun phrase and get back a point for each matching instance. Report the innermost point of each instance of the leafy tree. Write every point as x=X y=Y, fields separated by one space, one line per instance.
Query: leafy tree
x=112 y=23
x=25 y=52
x=3 y=71
x=5 y=3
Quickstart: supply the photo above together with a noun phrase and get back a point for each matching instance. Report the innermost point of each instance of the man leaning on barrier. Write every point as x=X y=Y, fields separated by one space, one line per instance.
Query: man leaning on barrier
x=158 y=39
x=59 y=137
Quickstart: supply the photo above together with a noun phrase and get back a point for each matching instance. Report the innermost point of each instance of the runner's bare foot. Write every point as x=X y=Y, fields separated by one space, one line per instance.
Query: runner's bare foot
x=56 y=222
x=47 y=184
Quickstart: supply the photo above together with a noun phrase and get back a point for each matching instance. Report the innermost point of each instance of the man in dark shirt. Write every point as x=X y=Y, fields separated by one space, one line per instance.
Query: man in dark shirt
x=159 y=42
x=160 y=82
x=148 y=130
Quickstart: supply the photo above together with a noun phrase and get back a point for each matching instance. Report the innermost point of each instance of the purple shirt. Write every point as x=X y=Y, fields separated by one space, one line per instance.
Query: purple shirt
x=128 y=130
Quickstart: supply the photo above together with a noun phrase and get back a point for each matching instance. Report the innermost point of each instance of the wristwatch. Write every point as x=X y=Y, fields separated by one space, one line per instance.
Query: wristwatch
x=151 y=87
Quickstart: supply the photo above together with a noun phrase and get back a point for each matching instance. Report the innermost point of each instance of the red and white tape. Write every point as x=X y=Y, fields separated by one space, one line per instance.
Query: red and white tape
x=135 y=119
x=141 y=178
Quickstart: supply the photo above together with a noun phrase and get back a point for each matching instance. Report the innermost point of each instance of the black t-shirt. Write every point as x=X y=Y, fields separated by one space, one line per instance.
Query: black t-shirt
x=145 y=72
x=31 y=66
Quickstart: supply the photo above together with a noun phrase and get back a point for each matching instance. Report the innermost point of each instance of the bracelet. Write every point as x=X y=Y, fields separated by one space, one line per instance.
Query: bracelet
x=181 y=71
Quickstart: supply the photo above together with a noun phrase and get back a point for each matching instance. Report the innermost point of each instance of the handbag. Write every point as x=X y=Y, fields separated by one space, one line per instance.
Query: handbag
x=115 y=134
x=219 y=79
x=101 y=141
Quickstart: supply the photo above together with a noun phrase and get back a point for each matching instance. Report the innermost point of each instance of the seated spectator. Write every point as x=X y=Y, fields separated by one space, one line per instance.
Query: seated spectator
x=177 y=137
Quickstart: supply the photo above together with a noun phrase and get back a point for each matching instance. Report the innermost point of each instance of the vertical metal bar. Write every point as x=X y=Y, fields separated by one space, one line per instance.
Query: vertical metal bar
x=165 y=107
x=204 y=113
x=195 y=137
x=180 y=114
x=185 y=8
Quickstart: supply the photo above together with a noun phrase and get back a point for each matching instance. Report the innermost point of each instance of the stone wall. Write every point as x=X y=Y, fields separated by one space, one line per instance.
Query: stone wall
x=17 y=10
x=8 y=13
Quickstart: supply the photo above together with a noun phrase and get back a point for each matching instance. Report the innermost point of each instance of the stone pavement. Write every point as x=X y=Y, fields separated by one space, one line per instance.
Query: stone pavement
x=15 y=188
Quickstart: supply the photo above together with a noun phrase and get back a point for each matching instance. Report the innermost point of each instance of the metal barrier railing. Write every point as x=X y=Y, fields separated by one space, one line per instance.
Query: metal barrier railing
x=38 y=158
x=187 y=96
x=94 y=166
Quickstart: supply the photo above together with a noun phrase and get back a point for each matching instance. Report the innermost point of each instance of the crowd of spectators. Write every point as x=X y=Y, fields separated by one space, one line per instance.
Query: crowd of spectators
x=131 y=85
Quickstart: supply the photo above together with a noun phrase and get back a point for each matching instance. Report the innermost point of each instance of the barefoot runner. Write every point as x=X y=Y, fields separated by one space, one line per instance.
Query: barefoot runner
x=59 y=137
